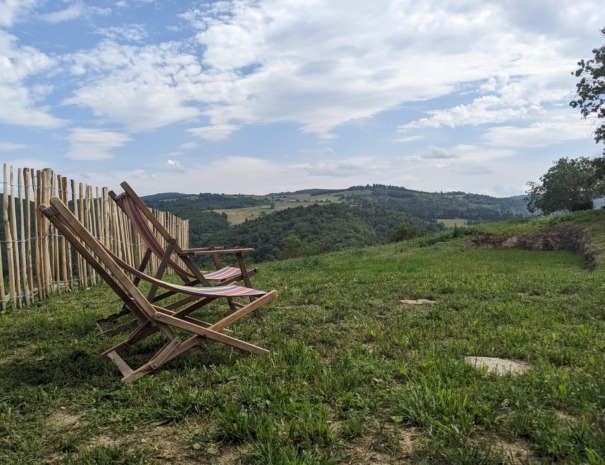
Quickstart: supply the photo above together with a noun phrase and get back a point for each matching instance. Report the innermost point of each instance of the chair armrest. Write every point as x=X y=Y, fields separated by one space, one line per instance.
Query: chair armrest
x=211 y=252
x=203 y=248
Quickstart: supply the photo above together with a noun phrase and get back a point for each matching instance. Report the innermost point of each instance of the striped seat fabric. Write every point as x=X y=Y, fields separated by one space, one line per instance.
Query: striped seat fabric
x=223 y=273
x=230 y=290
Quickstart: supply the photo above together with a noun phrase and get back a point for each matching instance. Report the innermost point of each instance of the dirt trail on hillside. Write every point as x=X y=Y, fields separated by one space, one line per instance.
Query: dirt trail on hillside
x=570 y=238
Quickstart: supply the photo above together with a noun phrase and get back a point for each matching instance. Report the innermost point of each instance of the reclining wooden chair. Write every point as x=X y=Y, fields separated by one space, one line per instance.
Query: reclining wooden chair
x=140 y=216
x=153 y=318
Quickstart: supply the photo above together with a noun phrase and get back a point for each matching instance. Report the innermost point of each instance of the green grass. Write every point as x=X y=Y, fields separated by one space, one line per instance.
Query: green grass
x=353 y=373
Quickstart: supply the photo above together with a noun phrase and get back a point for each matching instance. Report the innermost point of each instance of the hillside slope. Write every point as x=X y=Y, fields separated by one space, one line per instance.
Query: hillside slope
x=351 y=364
x=327 y=227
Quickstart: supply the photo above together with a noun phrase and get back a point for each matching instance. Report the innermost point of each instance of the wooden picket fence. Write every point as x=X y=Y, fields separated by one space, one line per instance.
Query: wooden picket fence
x=40 y=261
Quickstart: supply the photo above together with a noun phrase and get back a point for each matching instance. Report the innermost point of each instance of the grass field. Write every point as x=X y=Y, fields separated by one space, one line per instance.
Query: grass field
x=239 y=215
x=450 y=223
x=355 y=376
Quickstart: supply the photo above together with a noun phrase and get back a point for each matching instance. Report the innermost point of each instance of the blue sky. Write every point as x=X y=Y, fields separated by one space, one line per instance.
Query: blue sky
x=266 y=96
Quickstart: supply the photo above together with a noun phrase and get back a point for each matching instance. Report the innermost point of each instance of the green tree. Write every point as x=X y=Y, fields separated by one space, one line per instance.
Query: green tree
x=294 y=247
x=568 y=185
x=405 y=232
x=591 y=98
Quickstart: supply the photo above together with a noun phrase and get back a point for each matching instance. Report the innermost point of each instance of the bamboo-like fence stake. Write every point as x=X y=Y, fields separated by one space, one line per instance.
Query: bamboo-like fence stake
x=36 y=180
x=69 y=283
x=48 y=274
x=15 y=237
x=55 y=241
x=9 y=242
x=2 y=291
x=78 y=260
x=60 y=183
x=28 y=232
x=92 y=224
x=23 y=255
x=85 y=265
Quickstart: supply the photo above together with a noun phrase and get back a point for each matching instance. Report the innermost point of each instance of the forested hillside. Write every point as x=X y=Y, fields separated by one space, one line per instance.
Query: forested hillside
x=324 y=227
x=475 y=207
x=173 y=202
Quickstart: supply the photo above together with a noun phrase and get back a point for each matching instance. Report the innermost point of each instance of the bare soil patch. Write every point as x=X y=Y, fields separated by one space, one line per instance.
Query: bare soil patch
x=498 y=366
x=516 y=452
x=367 y=450
x=418 y=302
x=62 y=419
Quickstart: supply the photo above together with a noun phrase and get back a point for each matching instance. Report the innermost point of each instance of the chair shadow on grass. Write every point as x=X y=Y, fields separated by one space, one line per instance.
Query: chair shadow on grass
x=77 y=367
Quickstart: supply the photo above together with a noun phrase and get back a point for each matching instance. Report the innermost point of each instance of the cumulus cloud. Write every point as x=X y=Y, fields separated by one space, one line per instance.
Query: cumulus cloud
x=214 y=133
x=175 y=165
x=18 y=98
x=407 y=139
x=539 y=134
x=9 y=146
x=190 y=145
x=72 y=12
x=94 y=144
x=436 y=153
x=323 y=64
x=12 y=11
x=132 y=32
x=142 y=87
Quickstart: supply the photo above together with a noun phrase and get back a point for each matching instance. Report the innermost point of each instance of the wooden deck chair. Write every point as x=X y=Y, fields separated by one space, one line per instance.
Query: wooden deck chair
x=153 y=318
x=140 y=217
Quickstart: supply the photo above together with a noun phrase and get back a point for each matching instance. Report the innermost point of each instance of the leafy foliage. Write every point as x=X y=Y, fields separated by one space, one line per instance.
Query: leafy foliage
x=405 y=232
x=591 y=89
x=568 y=185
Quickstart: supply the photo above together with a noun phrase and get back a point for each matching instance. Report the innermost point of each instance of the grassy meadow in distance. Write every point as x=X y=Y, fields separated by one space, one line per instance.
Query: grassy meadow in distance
x=355 y=376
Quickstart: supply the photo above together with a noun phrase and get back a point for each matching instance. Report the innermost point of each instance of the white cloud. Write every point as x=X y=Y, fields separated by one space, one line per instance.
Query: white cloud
x=142 y=87
x=358 y=166
x=190 y=145
x=9 y=146
x=121 y=4
x=324 y=151
x=175 y=165
x=214 y=133
x=469 y=169
x=73 y=11
x=133 y=32
x=436 y=153
x=17 y=98
x=539 y=134
x=407 y=139
x=323 y=64
x=94 y=144
x=12 y=11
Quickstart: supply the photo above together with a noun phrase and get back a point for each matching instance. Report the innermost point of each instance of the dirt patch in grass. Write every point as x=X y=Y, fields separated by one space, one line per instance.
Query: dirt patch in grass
x=370 y=450
x=516 y=452
x=62 y=419
x=498 y=366
x=418 y=302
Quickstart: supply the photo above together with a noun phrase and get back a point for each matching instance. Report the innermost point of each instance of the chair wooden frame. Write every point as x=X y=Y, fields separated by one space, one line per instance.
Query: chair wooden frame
x=190 y=277
x=152 y=318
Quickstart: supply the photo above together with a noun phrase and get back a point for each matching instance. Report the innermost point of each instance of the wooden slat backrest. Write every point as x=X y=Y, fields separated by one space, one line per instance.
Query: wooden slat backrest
x=102 y=255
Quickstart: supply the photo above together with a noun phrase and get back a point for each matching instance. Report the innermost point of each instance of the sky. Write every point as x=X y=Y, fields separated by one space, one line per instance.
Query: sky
x=267 y=96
